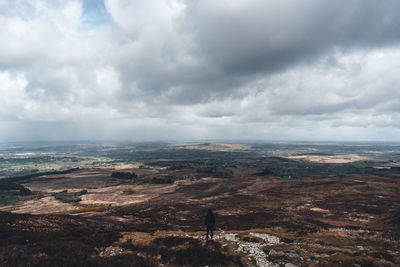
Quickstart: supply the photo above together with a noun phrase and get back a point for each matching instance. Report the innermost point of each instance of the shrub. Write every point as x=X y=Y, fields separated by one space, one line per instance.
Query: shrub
x=124 y=175
x=216 y=171
x=166 y=180
x=25 y=191
x=70 y=197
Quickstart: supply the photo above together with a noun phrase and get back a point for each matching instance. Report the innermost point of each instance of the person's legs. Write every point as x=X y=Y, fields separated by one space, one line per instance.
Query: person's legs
x=208 y=230
x=212 y=231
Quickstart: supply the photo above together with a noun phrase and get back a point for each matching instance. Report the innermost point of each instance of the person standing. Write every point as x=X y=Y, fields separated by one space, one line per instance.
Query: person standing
x=210 y=222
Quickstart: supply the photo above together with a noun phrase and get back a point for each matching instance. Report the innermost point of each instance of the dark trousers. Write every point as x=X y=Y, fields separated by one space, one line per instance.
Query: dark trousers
x=210 y=228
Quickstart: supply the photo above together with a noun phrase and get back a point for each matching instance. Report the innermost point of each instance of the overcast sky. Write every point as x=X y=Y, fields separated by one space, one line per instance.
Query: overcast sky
x=199 y=69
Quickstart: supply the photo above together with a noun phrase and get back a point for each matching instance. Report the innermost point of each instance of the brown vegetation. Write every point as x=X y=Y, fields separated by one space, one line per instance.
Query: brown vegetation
x=346 y=220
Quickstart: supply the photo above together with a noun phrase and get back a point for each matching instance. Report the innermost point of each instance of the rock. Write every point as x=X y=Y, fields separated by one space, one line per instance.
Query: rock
x=276 y=254
x=231 y=237
x=292 y=255
x=290 y=265
x=360 y=248
x=270 y=239
x=253 y=249
x=332 y=253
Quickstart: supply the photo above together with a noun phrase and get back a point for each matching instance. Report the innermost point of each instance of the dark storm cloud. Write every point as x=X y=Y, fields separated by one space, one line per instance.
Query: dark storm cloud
x=267 y=35
x=232 y=43
x=258 y=37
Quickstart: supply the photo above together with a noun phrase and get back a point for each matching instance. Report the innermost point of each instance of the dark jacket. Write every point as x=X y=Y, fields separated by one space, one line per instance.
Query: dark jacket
x=210 y=219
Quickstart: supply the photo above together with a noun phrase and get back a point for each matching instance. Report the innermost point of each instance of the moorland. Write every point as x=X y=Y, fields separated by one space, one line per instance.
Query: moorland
x=143 y=204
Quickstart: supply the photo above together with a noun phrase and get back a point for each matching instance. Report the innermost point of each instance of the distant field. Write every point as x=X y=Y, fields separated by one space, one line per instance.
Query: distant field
x=31 y=164
x=331 y=158
x=8 y=200
x=218 y=147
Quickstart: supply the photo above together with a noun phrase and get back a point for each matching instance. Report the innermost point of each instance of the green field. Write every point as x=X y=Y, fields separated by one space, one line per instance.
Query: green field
x=22 y=166
x=8 y=200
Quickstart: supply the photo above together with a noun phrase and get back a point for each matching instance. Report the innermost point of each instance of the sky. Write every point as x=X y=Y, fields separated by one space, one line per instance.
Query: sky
x=150 y=70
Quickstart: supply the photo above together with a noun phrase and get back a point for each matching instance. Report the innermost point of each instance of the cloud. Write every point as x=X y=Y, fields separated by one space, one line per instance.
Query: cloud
x=255 y=36
x=199 y=69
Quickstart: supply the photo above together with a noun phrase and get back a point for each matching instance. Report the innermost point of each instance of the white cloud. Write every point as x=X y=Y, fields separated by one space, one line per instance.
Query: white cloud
x=190 y=69
x=14 y=100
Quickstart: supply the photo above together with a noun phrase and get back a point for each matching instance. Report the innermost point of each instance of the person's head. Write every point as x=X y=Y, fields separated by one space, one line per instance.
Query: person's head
x=209 y=211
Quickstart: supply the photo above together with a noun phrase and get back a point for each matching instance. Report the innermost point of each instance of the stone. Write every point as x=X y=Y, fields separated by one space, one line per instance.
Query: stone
x=292 y=255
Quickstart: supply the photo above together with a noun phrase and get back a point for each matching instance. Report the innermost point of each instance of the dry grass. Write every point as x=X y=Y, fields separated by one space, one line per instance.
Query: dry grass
x=330 y=159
